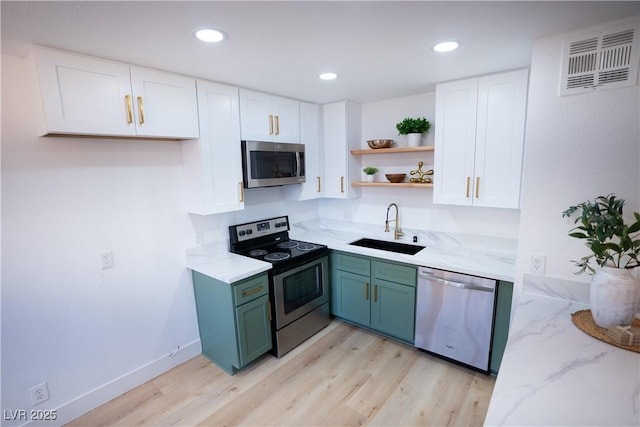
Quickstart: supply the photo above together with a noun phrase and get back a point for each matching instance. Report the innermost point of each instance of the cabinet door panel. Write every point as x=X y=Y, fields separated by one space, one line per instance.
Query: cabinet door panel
x=310 y=137
x=393 y=309
x=254 y=329
x=287 y=125
x=168 y=105
x=82 y=95
x=254 y=116
x=352 y=296
x=500 y=139
x=455 y=142
x=213 y=163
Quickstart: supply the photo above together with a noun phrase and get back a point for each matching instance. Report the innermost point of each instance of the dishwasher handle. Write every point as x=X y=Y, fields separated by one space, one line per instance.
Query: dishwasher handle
x=430 y=276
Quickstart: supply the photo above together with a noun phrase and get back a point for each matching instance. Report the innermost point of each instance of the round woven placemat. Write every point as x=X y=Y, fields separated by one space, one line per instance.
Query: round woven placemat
x=584 y=321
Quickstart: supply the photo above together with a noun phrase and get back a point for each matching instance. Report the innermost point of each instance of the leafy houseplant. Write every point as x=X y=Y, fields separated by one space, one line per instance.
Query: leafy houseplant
x=615 y=246
x=612 y=242
x=410 y=125
x=370 y=170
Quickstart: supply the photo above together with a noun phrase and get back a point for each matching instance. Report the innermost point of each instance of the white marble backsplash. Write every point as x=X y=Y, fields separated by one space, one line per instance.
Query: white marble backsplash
x=556 y=288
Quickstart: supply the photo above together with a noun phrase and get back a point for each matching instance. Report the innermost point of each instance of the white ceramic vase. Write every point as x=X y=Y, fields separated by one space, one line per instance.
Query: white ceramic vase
x=414 y=139
x=613 y=295
x=370 y=177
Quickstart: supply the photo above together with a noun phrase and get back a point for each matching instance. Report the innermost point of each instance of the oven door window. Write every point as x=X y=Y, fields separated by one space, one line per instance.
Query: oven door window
x=273 y=164
x=302 y=287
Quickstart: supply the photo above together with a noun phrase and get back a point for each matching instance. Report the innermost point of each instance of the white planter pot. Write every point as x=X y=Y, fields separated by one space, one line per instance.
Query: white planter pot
x=414 y=139
x=370 y=178
x=613 y=295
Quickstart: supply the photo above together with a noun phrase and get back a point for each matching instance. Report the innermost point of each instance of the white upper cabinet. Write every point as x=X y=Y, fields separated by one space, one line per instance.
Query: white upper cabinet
x=341 y=134
x=479 y=140
x=310 y=137
x=213 y=163
x=265 y=117
x=83 y=95
x=166 y=104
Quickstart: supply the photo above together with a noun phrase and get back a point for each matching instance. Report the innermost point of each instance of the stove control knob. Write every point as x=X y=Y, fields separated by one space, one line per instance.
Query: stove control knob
x=242 y=233
x=249 y=231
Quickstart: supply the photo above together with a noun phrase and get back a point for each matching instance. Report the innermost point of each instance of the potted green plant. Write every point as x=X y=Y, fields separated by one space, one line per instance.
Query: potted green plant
x=413 y=128
x=615 y=248
x=370 y=171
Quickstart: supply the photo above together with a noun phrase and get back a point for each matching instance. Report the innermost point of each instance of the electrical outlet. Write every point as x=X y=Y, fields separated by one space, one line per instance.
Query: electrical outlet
x=106 y=260
x=537 y=264
x=39 y=393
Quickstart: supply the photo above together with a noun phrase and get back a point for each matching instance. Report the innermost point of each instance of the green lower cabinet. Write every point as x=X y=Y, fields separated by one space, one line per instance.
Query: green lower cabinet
x=501 y=324
x=393 y=308
x=350 y=297
x=376 y=294
x=233 y=320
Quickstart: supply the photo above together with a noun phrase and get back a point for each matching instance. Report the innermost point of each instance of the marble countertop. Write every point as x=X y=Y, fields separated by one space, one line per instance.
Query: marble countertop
x=553 y=374
x=470 y=254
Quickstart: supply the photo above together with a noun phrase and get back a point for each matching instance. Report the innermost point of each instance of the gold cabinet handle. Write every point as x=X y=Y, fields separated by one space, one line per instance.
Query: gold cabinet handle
x=317 y=184
x=241 y=192
x=269 y=310
x=366 y=291
x=248 y=292
x=141 y=110
x=468 y=183
x=270 y=124
x=375 y=293
x=127 y=100
x=477 y=187
x=277 y=125
x=342 y=184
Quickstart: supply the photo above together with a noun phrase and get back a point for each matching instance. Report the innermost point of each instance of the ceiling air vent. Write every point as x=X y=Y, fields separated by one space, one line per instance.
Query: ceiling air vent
x=603 y=59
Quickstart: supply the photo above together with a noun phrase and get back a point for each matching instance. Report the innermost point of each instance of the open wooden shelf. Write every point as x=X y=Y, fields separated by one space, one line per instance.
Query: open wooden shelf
x=420 y=149
x=391 y=184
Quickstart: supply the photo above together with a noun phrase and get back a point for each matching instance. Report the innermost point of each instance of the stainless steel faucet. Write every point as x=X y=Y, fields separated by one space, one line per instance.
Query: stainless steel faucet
x=397 y=232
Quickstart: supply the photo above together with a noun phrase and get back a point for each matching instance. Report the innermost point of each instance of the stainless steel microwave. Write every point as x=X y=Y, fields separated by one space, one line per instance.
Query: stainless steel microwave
x=265 y=164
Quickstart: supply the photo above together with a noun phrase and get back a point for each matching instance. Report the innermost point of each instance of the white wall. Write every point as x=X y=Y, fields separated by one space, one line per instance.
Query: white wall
x=92 y=334
x=576 y=148
x=64 y=321
x=416 y=207
x=260 y=203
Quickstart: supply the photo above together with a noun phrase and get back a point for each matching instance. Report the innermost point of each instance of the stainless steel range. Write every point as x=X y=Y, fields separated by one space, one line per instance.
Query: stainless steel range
x=298 y=279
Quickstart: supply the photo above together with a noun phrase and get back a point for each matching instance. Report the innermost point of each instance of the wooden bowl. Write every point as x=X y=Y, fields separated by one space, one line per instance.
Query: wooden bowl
x=380 y=143
x=395 y=177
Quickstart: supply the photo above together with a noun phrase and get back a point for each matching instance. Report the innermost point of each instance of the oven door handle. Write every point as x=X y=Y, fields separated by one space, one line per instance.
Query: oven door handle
x=298 y=161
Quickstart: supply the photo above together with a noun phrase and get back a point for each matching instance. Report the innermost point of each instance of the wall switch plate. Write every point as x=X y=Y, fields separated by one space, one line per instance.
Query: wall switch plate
x=537 y=264
x=39 y=393
x=106 y=260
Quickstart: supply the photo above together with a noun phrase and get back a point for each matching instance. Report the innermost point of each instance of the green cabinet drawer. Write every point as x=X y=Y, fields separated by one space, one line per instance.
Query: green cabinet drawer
x=249 y=289
x=353 y=264
x=398 y=273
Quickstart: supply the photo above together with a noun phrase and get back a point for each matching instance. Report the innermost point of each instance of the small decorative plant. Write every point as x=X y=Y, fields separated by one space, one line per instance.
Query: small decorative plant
x=612 y=242
x=370 y=170
x=410 y=125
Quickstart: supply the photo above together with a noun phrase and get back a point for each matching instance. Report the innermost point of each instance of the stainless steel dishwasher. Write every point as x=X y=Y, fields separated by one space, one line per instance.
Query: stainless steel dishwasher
x=454 y=316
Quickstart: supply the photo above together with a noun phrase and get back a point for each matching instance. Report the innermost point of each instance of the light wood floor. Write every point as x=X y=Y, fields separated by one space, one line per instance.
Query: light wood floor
x=343 y=376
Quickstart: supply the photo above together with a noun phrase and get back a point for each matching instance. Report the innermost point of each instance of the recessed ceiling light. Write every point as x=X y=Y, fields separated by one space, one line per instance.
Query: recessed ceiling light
x=209 y=35
x=445 y=46
x=328 y=76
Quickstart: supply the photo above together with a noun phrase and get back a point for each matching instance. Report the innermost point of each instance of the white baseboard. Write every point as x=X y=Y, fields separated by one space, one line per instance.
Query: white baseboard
x=106 y=392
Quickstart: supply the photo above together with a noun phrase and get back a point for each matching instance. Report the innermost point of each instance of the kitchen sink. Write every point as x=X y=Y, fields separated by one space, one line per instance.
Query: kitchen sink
x=385 y=245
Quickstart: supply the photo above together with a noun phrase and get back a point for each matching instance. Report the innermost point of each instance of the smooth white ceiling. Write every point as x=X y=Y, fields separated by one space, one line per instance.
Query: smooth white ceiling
x=380 y=49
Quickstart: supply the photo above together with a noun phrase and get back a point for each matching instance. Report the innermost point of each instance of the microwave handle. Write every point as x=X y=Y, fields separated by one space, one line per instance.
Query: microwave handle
x=297 y=163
